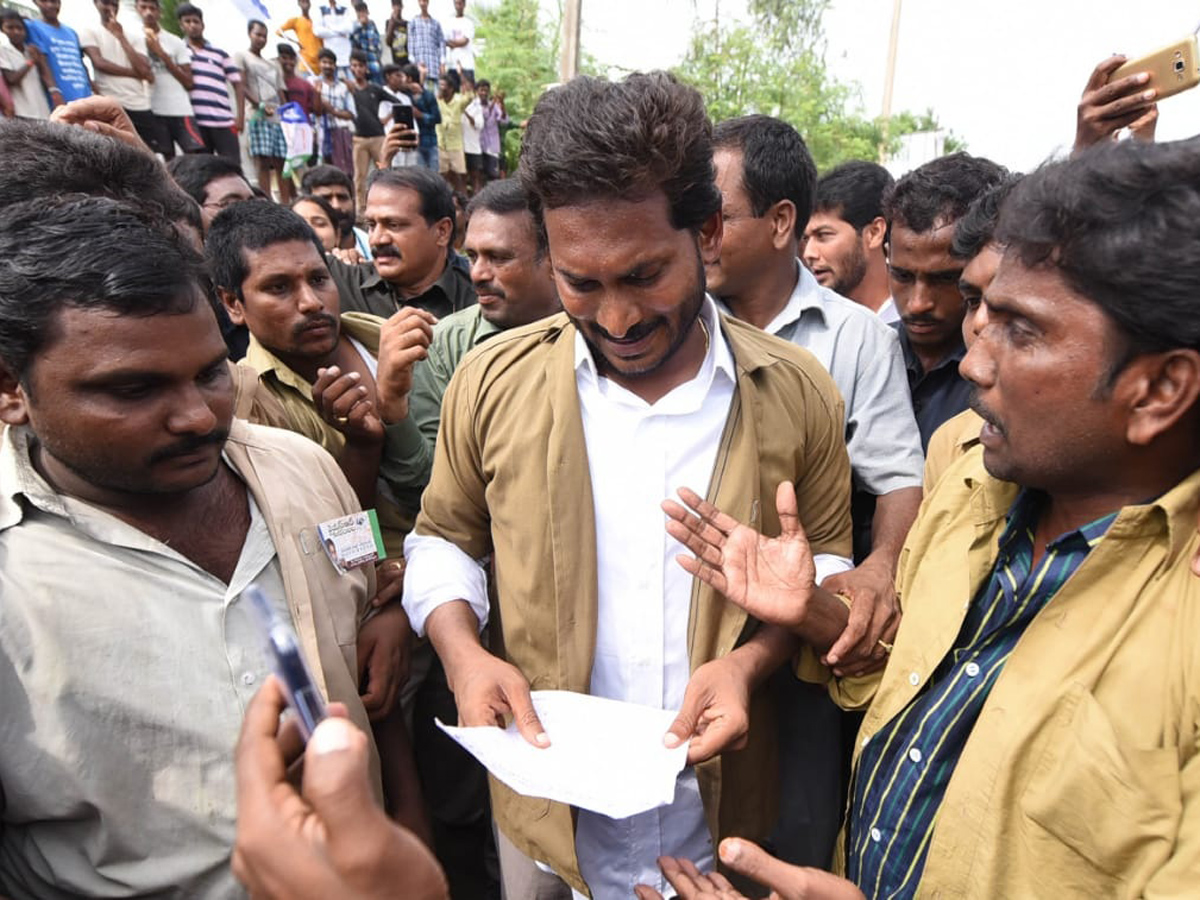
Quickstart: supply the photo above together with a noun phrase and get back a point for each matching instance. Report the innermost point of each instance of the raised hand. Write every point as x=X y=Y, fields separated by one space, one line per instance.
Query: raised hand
x=344 y=402
x=1108 y=106
x=773 y=579
x=403 y=341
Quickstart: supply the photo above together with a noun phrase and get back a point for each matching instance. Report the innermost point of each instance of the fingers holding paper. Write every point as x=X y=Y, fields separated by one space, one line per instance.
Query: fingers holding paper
x=715 y=715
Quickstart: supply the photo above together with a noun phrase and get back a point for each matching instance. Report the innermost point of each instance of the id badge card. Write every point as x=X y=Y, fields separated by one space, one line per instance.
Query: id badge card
x=352 y=541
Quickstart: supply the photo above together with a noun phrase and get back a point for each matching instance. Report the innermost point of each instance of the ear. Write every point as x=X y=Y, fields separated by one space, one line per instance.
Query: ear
x=14 y=409
x=783 y=224
x=874 y=233
x=709 y=239
x=443 y=230
x=233 y=306
x=1162 y=389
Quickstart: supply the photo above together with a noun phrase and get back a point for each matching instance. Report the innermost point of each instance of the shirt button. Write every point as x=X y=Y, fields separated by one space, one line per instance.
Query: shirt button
x=248 y=678
x=972 y=669
x=866 y=740
x=876 y=835
x=914 y=679
x=915 y=755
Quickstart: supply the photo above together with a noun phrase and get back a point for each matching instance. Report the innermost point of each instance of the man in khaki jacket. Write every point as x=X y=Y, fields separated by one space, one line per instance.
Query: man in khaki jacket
x=134 y=512
x=1037 y=729
x=559 y=441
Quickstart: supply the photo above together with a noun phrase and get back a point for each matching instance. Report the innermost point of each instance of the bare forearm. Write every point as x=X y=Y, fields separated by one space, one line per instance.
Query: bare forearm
x=769 y=648
x=454 y=632
x=824 y=620
x=107 y=67
x=894 y=515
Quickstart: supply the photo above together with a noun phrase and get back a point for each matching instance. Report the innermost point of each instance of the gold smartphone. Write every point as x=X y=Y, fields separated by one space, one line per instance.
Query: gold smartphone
x=1172 y=69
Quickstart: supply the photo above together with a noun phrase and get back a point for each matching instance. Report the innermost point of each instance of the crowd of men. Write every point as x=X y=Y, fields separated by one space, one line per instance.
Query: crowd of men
x=329 y=95
x=887 y=487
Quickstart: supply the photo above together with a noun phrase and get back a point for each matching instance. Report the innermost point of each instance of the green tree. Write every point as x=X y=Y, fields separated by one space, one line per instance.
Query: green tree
x=775 y=65
x=169 y=21
x=520 y=58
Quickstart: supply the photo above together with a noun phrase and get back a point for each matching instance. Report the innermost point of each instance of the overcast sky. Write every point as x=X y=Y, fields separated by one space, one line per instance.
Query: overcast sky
x=1005 y=76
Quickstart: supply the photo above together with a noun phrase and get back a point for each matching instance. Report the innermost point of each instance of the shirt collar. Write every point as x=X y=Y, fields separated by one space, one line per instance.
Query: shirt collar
x=913 y=364
x=806 y=295
x=717 y=358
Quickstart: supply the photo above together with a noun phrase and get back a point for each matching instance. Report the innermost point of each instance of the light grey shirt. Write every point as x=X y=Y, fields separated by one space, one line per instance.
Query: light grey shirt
x=125 y=670
x=863 y=356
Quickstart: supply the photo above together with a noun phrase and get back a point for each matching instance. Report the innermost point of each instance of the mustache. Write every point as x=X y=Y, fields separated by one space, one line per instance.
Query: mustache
x=633 y=335
x=387 y=250
x=981 y=410
x=189 y=445
x=313 y=322
x=488 y=287
x=920 y=320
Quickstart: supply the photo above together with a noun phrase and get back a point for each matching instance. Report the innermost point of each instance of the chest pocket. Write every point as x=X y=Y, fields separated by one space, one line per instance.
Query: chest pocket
x=1094 y=796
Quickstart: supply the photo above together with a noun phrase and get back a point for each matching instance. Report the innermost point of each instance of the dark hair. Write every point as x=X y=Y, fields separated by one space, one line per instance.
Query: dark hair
x=413 y=72
x=437 y=201
x=776 y=164
x=326 y=176
x=483 y=82
x=326 y=207
x=188 y=9
x=250 y=25
x=252 y=225
x=360 y=6
x=326 y=53
x=1118 y=222
x=507 y=197
x=11 y=15
x=854 y=192
x=285 y=49
x=43 y=159
x=451 y=78
x=127 y=262
x=195 y=171
x=358 y=56
x=974 y=230
x=939 y=192
x=592 y=138
x=390 y=68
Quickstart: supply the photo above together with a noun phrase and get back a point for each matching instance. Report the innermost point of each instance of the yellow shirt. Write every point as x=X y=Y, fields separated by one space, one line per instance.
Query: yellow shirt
x=294 y=396
x=954 y=438
x=310 y=44
x=1081 y=777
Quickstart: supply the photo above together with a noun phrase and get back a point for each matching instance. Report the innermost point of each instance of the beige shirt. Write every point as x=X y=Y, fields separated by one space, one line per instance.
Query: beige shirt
x=125 y=671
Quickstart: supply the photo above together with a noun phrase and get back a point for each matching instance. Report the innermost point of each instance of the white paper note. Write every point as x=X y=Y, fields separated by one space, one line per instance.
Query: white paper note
x=604 y=755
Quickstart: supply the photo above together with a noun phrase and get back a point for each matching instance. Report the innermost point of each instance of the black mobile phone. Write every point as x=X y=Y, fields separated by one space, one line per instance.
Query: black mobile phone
x=303 y=695
x=402 y=115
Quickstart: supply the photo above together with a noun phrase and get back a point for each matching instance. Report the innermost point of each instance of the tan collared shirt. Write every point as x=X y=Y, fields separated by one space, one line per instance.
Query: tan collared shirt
x=125 y=670
x=1081 y=777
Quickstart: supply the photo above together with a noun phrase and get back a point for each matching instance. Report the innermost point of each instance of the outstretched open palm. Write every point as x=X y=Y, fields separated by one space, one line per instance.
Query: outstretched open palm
x=771 y=578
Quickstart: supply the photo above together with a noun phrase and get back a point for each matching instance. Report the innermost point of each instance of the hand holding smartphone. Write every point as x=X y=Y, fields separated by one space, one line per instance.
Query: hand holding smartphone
x=303 y=695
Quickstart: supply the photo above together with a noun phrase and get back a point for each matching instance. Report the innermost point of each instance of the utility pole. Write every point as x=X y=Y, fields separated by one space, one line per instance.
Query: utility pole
x=889 y=78
x=568 y=64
